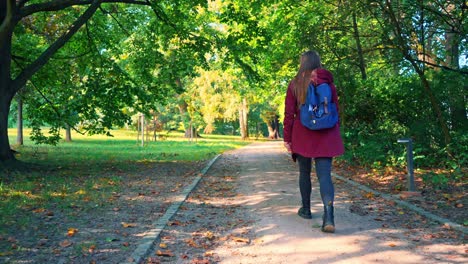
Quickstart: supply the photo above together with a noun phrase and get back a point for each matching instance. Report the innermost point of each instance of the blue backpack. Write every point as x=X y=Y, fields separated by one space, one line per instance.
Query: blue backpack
x=319 y=112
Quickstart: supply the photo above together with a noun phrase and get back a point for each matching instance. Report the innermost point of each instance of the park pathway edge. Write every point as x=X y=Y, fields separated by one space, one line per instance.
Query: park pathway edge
x=405 y=204
x=152 y=235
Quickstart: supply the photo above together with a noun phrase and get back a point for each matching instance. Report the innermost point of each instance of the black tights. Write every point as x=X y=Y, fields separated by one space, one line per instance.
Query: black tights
x=323 y=171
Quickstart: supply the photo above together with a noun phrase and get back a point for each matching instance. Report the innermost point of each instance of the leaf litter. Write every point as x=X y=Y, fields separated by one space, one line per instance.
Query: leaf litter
x=104 y=231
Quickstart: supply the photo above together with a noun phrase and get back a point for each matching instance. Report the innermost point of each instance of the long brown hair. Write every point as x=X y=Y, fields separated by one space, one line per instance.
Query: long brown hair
x=310 y=60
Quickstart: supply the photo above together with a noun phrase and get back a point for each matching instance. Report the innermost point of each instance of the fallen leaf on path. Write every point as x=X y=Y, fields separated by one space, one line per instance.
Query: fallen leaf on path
x=240 y=239
x=39 y=210
x=163 y=245
x=192 y=243
x=369 y=195
x=165 y=253
x=126 y=225
x=151 y=260
x=446 y=226
x=258 y=241
x=392 y=245
x=209 y=235
x=174 y=223
x=92 y=248
x=72 y=231
x=66 y=243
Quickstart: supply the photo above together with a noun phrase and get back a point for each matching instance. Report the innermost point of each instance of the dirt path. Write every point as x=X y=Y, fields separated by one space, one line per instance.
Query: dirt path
x=268 y=181
x=259 y=223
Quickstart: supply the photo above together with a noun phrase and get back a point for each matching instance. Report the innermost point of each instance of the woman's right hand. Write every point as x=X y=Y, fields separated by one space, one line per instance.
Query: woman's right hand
x=287 y=145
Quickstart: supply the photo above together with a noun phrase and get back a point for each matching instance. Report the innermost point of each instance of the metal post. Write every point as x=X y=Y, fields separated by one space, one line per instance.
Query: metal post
x=142 y=120
x=409 y=160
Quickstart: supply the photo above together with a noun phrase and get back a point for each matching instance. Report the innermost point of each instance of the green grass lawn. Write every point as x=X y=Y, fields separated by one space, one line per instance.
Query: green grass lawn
x=89 y=169
x=123 y=146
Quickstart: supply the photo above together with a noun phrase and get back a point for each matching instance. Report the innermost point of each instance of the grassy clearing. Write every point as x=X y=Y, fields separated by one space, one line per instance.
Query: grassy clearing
x=85 y=172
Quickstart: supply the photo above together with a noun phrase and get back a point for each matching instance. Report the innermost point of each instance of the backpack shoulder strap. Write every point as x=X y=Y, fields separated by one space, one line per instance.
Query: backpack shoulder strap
x=311 y=97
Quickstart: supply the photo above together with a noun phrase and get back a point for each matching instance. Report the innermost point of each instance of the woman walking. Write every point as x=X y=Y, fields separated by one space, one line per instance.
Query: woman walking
x=305 y=144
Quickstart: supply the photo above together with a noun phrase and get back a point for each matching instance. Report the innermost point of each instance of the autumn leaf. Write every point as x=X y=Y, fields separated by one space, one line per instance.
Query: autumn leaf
x=72 y=231
x=369 y=195
x=65 y=243
x=151 y=260
x=165 y=253
x=172 y=223
x=200 y=261
x=240 y=239
x=392 y=245
x=163 y=245
x=92 y=248
x=209 y=235
x=192 y=243
x=39 y=210
x=126 y=225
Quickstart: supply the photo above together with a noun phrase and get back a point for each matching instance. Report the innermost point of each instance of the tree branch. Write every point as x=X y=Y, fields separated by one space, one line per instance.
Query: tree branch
x=57 y=112
x=22 y=78
x=56 y=5
x=442 y=67
x=116 y=20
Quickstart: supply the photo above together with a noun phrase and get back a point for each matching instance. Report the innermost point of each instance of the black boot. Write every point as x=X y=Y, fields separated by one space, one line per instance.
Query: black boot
x=305 y=213
x=328 y=225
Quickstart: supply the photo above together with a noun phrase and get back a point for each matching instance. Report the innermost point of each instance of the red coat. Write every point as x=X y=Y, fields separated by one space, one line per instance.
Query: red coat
x=306 y=142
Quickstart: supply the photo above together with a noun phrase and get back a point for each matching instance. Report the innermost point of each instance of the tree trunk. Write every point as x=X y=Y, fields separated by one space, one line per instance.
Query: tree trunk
x=362 y=64
x=273 y=128
x=6 y=90
x=5 y=101
x=435 y=107
x=243 y=119
x=68 y=137
x=407 y=54
x=457 y=91
x=19 y=122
